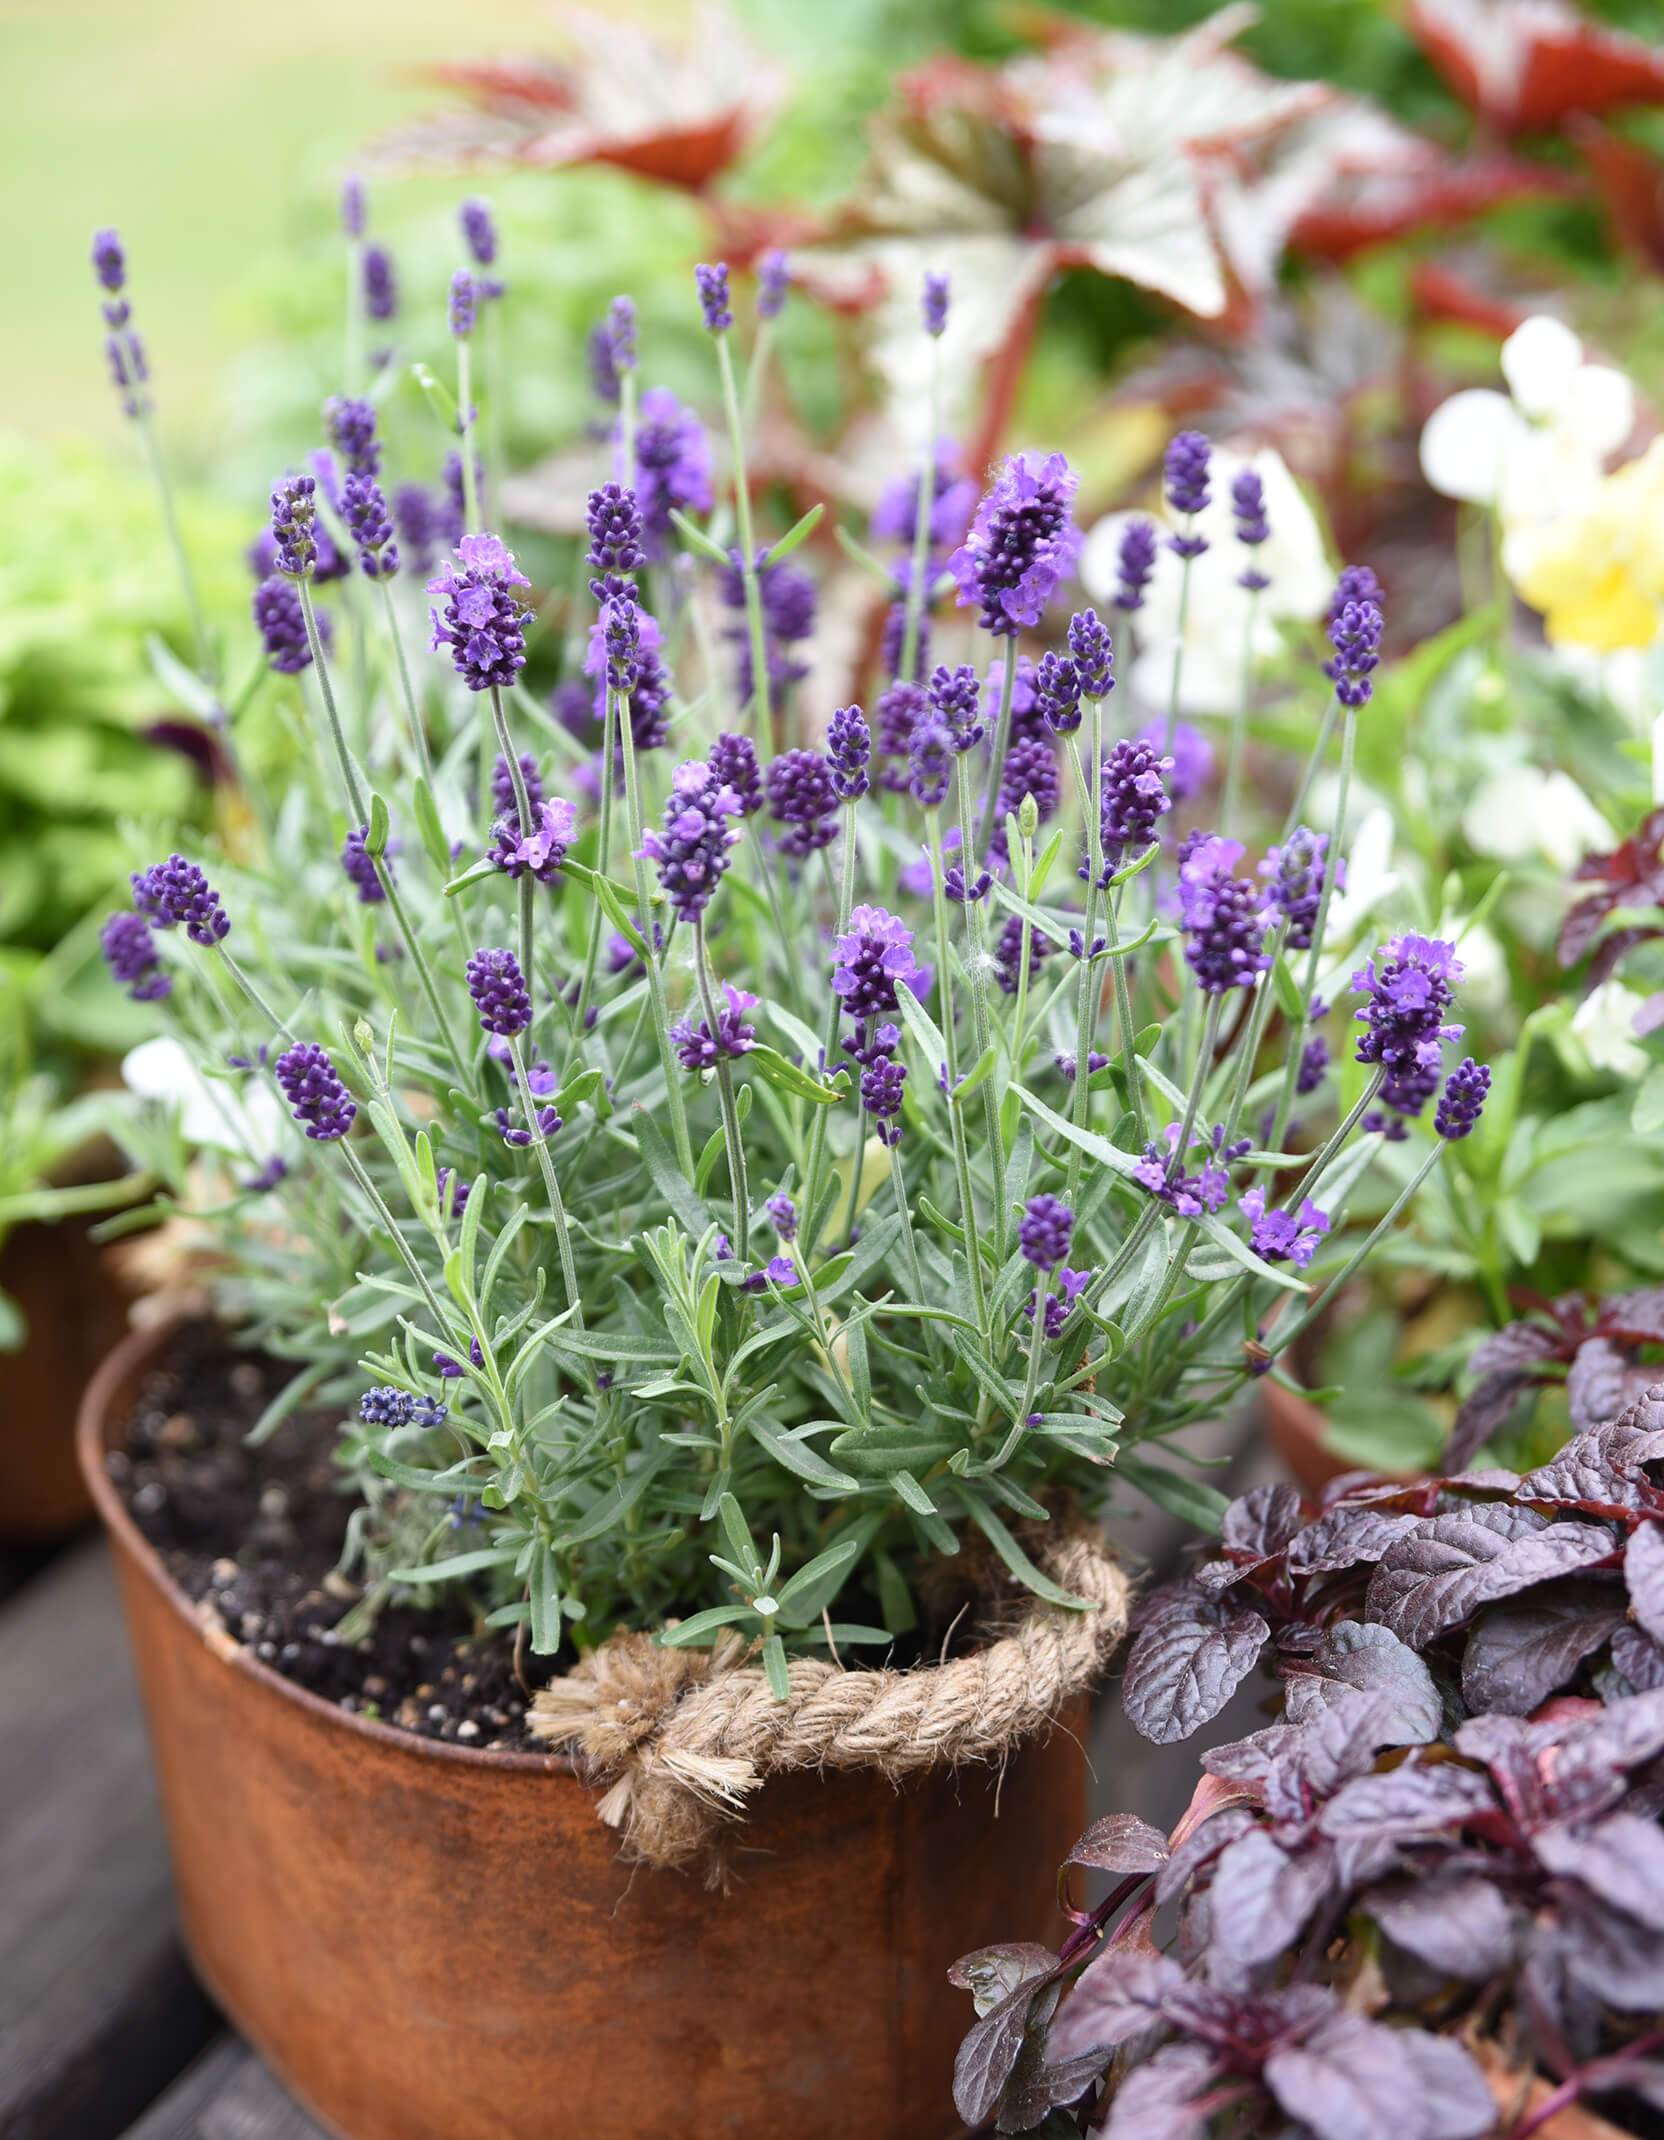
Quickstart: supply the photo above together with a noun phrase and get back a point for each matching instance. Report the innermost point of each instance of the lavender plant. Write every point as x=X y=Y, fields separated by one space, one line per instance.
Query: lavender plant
x=745 y=1164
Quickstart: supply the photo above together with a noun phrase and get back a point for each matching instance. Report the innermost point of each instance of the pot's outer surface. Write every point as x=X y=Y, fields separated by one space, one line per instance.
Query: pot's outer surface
x=76 y=1310
x=432 y=1943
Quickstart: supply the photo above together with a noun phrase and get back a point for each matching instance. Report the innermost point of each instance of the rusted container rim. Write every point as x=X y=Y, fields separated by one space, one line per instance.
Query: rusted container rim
x=94 y=1423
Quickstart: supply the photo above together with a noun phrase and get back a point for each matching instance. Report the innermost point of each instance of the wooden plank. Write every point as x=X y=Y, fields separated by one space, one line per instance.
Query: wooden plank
x=227 y=2095
x=98 y=2009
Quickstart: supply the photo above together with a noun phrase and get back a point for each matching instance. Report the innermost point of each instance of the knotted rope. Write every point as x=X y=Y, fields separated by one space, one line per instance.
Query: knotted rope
x=680 y=1737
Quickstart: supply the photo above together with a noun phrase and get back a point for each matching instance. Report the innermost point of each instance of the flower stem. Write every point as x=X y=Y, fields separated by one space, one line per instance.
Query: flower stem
x=207 y=668
x=655 y=976
x=378 y=1203
x=465 y=425
x=961 y=1155
x=980 y=1024
x=748 y=560
x=1178 y=649
x=1286 y=1338
x=1233 y=762
x=418 y=733
x=563 y=1238
x=725 y=1087
x=909 y=1247
x=913 y=615
x=603 y=851
x=523 y=807
x=1002 y=742
x=1086 y=1007
x=1331 y=864
x=349 y=775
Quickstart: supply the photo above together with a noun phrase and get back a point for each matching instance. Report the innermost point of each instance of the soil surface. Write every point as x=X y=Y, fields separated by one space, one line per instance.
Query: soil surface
x=256 y=1534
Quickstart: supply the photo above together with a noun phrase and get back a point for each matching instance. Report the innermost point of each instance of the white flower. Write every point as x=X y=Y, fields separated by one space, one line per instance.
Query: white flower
x=1486 y=984
x=1521 y=811
x=215 y=1112
x=1538 y=451
x=1370 y=876
x=1216 y=615
x=1605 y=1023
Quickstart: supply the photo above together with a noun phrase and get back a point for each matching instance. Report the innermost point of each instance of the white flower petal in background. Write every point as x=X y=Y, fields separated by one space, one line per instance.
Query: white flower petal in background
x=1631 y=678
x=1521 y=812
x=1486 y=984
x=248 y=1121
x=1466 y=444
x=1599 y=408
x=1370 y=876
x=1605 y=1023
x=1538 y=360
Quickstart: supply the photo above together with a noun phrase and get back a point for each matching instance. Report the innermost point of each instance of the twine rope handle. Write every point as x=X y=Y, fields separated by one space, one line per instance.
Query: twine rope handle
x=681 y=1737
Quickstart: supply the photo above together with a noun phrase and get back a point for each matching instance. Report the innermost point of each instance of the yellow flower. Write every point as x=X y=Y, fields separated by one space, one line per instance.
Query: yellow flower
x=1597 y=574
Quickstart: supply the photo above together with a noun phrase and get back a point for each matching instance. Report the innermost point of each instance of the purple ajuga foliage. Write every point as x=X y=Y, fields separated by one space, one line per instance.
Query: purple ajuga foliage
x=1021 y=546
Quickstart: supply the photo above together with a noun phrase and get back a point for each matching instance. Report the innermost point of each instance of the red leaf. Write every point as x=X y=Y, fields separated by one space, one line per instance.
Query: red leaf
x=1526 y=64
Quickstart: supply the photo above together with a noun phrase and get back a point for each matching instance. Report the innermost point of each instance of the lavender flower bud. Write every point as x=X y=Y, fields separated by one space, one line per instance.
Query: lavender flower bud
x=1057 y=693
x=1357 y=583
x=540 y=851
x=353 y=207
x=464 y=306
x=734 y=765
x=935 y=305
x=1094 y=654
x=621 y=333
x=1294 y=875
x=453 y=1192
x=1185 y=468
x=385 y=1407
x=503 y=798
x=1314 y=1066
x=282 y=626
x=1355 y=635
x=693 y=850
x=130 y=952
x=881 y=1089
x=1135 y=562
x=364 y=509
x=603 y=373
x=381 y=289
x=1021 y=545
x=350 y=427
x=1462 y=1100
x=482 y=619
x=614 y=520
x=930 y=753
x=621 y=633
x=479 y=233
x=699 y=1049
x=1030 y=770
x=1408 y=986
x=803 y=796
x=1008 y=954
x=360 y=868
x=782 y=1214
x=774 y=279
x=873 y=954
x=848 y=750
x=1133 y=798
x=109 y=261
x=712 y=284
x=1278 y=1236
x=1221 y=916
x=954 y=698
x=498 y=988
x=1045 y=1230
x=315 y=1092
x=673 y=465
x=294 y=520
x=176 y=891
x=1252 y=527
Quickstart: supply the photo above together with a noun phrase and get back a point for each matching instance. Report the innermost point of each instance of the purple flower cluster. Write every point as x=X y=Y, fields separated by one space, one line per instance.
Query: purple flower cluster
x=952 y=502
x=774 y=279
x=1355 y=635
x=734 y=765
x=1007 y=954
x=350 y=427
x=693 y=850
x=1185 y=471
x=803 y=796
x=281 y=623
x=613 y=516
x=935 y=305
x=1190 y=1195
x=1133 y=799
x=1045 y=1230
x=873 y=954
x=698 y=1048
x=1408 y=986
x=381 y=289
x=782 y=1216
x=122 y=347
x=1222 y=917
x=1314 y=1066
x=788 y=605
x=176 y=892
x=849 y=752
x=899 y=708
x=1462 y=1100
x=1281 y=1236
x=354 y=206
x=1252 y=527
x=672 y=466
x=1022 y=543
x=364 y=509
x=360 y=869
x=503 y=799
x=518 y=1135
x=479 y=234
x=712 y=285
x=481 y=621
x=882 y=1083
x=1294 y=875
x=294 y=521
x=314 y=1091
x=953 y=695
x=541 y=851
x=498 y=988
x=1093 y=651
x=1059 y=1305
x=1135 y=563
x=464 y=305
x=930 y=756
x=1057 y=692
x=1030 y=769
x=130 y=952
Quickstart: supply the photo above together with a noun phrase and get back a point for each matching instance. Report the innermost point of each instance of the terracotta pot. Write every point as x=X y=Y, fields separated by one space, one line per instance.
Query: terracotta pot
x=76 y=1310
x=432 y=1943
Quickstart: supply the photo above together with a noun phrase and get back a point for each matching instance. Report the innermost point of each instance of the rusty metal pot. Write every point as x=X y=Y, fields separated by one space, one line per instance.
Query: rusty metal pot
x=431 y=1943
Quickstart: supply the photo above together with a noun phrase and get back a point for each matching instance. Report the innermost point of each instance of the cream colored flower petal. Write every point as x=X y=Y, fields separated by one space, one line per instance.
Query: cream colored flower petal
x=1599 y=408
x=1538 y=360
x=1605 y=1023
x=1466 y=444
x=1294 y=560
x=211 y=1112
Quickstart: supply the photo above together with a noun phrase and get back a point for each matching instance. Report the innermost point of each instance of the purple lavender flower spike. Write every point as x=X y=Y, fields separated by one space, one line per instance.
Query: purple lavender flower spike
x=1408 y=986
x=381 y=289
x=482 y=619
x=1314 y=1066
x=266 y=1180
x=699 y=1049
x=673 y=465
x=314 y=1091
x=1008 y=954
x=782 y=1216
x=1280 y=1236
x=803 y=796
x=953 y=695
x=774 y=279
x=1030 y=769
x=109 y=260
x=1221 y=916
x=364 y=509
x=479 y=232
x=130 y=953
x=1294 y=875
x=882 y=1082
x=1045 y=1230
x=1355 y=635
x=294 y=523
x=354 y=206
x=1021 y=545
x=1073 y=1284
x=278 y=620
x=414 y=518
x=360 y=869
x=1093 y=653
x=693 y=850
x=1135 y=562
x=930 y=755
x=953 y=499
x=518 y=1137
x=503 y=798
x=385 y=1407
x=498 y=988
x=1462 y=1100
x=1252 y=527
x=935 y=305
x=541 y=851
x=849 y=751
x=1357 y=583
x=1134 y=799
x=464 y=305
x=788 y=602
x=1057 y=691
x=350 y=427
x=1190 y=1195
x=1185 y=469
x=874 y=953
x=174 y=892
x=712 y=284
x=454 y=1192
x=899 y=708
x=621 y=332
x=614 y=520
x=1193 y=761
x=734 y=765
x=603 y=371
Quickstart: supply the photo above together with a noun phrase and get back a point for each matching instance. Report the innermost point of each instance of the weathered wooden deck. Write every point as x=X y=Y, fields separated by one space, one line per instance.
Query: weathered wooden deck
x=104 y=2033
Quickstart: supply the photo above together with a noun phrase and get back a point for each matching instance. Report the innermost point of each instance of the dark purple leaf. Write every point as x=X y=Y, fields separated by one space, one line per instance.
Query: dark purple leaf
x=1602 y=1469
x=1611 y=953
x=1644 y=1576
x=1639 y=1658
x=1357 y=1657
x=1261 y=1522
x=1186 y=1664
x=1247 y=2024
x=1459 y=1925
x=1513 y=1348
x=1344 y=1538
x=1121 y=1843
x=991 y=2050
x=1520 y=1653
x=1620 y=1961
x=1248 y=1760
x=1482 y=1411
x=1117 y=1995
x=1350 y=2080
x=1262 y=1899
x=1213 y=1576
x=1029 y=2095
x=1637 y=1318
x=1621 y=1859
x=1456 y=2099
x=994 y=1973
x=1341 y=1741
x=1200 y=1848
x=1582 y=924
x=1415 y=1799
x=1591 y=1758
x=1153 y=2101
x=1453 y=1564
x=1602 y=1381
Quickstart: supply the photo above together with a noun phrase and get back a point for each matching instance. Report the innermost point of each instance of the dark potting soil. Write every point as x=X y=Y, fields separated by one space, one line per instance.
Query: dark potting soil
x=254 y=1535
